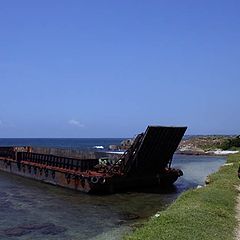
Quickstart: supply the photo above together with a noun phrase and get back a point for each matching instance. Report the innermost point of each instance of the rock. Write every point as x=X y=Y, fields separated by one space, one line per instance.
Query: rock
x=125 y=144
x=113 y=147
x=202 y=145
x=128 y=216
x=189 y=150
x=120 y=222
x=228 y=164
x=34 y=226
x=16 y=232
x=45 y=228
x=52 y=229
x=207 y=181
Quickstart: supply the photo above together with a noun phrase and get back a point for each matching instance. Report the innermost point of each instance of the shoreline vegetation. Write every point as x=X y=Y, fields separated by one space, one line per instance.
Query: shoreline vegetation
x=197 y=145
x=210 y=145
x=202 y=213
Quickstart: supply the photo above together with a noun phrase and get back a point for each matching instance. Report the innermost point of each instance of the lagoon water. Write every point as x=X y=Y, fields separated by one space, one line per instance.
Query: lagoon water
x=33 y=210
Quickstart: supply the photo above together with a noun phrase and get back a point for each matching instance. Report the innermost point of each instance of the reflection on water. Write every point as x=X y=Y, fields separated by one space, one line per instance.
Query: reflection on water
x=32 y=210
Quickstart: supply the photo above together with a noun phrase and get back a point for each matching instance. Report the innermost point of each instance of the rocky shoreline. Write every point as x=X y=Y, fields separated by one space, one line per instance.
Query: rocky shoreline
x=213 y=145
x=209 y=145
x=217 y=152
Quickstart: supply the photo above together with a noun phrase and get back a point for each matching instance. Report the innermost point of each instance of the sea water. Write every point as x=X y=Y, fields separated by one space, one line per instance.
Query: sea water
x=75 y=143
x=33 y=210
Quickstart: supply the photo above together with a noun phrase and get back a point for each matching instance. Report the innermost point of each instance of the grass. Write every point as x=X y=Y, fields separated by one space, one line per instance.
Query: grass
x=205 y=213
x=234 y=148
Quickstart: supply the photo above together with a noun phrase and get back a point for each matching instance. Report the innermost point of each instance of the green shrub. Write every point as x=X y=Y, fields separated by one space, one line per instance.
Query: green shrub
x=231 y=143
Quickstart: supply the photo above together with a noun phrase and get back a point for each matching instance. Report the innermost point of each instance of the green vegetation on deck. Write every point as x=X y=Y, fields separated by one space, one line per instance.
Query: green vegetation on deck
x=205 y=213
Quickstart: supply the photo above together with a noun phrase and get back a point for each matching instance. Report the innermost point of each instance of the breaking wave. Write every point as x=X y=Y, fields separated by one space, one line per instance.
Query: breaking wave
x=99 y=147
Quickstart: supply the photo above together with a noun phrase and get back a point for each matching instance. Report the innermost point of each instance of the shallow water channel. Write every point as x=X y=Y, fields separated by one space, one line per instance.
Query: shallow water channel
x=33 y=210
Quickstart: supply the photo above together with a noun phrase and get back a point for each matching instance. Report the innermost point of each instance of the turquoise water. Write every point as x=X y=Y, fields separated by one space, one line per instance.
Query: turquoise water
x=33 y=210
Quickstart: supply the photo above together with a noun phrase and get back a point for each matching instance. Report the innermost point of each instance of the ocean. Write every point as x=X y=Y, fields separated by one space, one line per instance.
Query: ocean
x=75 y=143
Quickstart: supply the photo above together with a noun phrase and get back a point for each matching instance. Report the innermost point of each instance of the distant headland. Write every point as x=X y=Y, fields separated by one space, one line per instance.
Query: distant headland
x=198 y=145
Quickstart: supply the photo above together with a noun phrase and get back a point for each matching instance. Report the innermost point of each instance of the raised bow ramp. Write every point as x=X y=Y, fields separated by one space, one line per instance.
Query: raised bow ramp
x=153 y=151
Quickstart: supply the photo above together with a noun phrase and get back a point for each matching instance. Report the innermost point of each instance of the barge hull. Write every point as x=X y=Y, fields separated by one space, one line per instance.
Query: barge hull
x=59 y=178
x=45 y=175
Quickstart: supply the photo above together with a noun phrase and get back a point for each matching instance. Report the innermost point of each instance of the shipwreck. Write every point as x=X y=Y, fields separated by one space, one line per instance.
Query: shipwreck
x=146 y=163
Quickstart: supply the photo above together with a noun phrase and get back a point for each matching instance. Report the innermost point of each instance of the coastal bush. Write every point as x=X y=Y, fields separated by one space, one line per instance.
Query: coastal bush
x=235 y=142
x=226 y=145
x=205 y=213
x=231 y=143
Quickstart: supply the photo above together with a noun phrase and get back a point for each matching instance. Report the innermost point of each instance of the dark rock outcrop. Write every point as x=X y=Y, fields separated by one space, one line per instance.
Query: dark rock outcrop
x=45 y=228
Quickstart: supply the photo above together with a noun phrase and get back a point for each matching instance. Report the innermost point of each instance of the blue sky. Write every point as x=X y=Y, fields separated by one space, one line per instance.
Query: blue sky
x=110 y=68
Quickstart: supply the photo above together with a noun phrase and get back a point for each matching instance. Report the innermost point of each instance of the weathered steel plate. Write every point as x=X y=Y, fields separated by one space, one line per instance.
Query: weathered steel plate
x=156 y=149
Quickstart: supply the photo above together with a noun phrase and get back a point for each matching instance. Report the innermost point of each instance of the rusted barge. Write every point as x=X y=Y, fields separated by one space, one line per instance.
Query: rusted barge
x=146 y=163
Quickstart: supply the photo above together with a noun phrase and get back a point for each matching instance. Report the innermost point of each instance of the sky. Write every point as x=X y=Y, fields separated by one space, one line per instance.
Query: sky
x=110 y=68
